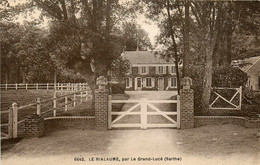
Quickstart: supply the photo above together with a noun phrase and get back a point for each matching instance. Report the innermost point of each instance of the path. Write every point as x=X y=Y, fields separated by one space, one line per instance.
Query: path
x=223 y=144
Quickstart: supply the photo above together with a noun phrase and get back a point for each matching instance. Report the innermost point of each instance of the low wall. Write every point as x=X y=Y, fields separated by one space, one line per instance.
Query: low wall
x=218 y=120
x=69 y=122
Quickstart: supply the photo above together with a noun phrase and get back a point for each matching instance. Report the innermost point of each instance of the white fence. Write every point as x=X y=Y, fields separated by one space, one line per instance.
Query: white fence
x=57 y=103
x=48 y=86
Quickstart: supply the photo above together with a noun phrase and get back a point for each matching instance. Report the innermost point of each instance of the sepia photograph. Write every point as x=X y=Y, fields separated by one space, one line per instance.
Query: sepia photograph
x=130 y=82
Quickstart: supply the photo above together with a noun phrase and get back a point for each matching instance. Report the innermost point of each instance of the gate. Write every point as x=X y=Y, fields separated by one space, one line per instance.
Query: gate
x=226 y=98
x=145 y=112
x=9 y=128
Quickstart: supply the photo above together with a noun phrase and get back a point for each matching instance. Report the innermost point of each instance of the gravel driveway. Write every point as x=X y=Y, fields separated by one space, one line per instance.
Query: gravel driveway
x=223 y=144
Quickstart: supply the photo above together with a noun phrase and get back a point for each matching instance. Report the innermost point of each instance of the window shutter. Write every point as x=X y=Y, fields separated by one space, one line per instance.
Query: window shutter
x=152 y=82
x=169 y=82
x=139 y=69
x=164 y=69
x=147 y=69
x=156 y=69
x=144 y=82
x=130 y=82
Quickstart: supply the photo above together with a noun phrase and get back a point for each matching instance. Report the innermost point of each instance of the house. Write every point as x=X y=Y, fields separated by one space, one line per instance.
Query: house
x=252 y=67
x=149 y=71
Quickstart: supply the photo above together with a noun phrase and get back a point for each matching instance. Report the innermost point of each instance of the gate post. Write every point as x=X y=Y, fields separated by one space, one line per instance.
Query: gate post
x=186 y=104
x=101 y=104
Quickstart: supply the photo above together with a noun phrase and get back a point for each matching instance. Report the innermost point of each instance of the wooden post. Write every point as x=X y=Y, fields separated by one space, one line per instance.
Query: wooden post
x=10 y=122
x=26 y=86
x=16 y=86
x=178 y=112
x=36 y=86
x=240 y=97
x=143 y=113
x=81 y=97
x=80 y=86
x=54 y=104
x=15 y=116
x=58 y=85
x=86 y=95
x=6 y=86
x=66 y=103
x=74 y=100
x=109 y=117
x=38 y=106
x=47 y=86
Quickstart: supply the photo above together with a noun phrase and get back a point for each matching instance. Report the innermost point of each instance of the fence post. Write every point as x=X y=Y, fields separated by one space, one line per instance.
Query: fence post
x=10 y=122
x=26 y=86
x=81 y=97
x=6 y=86
x=240 y=97
x=109 y=117
x=66 y=103
x=74 y=100
x=178 y=112
x=80 y=86
x=144 y=113
x=47 y=86
x=54 y=104
x=36 y=86
x=38 y=106
x=86 y=95
x=15 y=116
x=58 y=85
x=16 y=86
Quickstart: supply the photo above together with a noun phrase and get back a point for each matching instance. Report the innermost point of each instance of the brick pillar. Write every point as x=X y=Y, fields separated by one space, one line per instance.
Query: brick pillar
x=187 y=108
x=34 y=126
x=101 y=109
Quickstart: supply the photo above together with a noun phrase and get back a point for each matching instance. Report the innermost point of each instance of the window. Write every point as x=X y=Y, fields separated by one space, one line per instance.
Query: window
x=148 y=82
x=128 y=82
x=143 y=70
x=160 y=70
x=172 y=69
x=173 y=82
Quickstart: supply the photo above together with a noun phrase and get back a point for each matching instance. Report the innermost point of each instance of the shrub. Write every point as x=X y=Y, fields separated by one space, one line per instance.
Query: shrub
x=229 y=76
x=118 y=88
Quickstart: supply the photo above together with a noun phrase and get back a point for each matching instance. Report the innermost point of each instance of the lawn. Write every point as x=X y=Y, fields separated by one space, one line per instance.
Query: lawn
x=23 y=97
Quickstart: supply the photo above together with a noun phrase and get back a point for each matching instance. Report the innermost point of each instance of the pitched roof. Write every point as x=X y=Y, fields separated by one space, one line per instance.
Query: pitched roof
x=145 y=57
x=249 y=62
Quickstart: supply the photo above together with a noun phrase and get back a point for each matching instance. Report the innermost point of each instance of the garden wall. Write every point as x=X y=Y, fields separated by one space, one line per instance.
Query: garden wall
x=218 y=120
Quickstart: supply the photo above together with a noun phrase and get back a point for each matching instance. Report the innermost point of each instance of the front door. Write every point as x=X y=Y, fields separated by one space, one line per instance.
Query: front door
x=138 y=84
x=161 y=83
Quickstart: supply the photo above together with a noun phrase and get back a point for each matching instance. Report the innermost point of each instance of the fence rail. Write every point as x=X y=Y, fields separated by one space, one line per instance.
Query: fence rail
x=48 y=86
x=69 y=99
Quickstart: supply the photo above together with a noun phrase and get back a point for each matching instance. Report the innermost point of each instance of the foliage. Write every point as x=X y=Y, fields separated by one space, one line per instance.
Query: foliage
x=118 y=88
x=120 y=67
x=229 y=76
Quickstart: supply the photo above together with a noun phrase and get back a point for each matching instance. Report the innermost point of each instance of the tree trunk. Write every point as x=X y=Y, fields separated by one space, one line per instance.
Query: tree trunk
x=174 y=47
x=207 y=80
x=186 y=39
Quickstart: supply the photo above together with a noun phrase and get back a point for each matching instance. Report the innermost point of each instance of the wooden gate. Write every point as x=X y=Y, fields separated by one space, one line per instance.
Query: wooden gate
x=143 y=110
x=226 y=98
x=9 y=128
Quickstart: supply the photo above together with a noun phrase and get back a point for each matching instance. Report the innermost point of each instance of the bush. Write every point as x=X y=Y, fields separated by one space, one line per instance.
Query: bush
x=118 y=88
x=229 y=76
